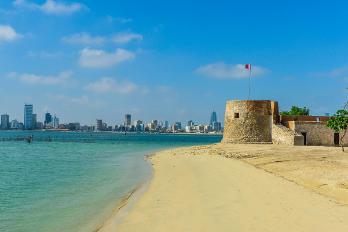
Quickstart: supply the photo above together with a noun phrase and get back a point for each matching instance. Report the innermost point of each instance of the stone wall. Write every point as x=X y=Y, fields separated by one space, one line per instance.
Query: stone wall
x=317 y=133
x=285 y=136
x=248 y=122
x=258 y=121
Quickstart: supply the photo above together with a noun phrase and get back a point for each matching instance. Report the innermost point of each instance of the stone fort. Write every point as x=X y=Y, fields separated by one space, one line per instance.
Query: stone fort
x=259 y=121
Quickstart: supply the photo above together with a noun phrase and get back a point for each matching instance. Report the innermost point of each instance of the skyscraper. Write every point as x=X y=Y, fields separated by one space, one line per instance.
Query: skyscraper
x=155 y=123
x=34 y=121
x=213 y=118
x=48 y=118
x=190 y=123
x=99 y=125
x=177 y=125
x=28 y=116
x=127 y=120
x=55 y=122
x=166 y=124
x=5 y=121
x=139 y=126
x=216 y=126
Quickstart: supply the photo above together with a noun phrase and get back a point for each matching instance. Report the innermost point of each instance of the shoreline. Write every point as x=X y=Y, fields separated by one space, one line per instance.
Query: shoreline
x=125 y=204
x=115 y=132
x=185 y=178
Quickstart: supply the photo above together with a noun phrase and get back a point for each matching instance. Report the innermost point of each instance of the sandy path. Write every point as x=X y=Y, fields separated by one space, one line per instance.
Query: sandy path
x=213 y=193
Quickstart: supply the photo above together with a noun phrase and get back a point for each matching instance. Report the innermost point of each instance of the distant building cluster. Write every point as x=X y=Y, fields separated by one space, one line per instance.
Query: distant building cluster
x=156 y=126
x=51 y=122
x=30 y=121
x=214 y=126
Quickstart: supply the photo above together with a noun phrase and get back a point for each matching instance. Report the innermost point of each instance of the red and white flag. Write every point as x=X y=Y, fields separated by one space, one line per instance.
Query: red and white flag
x=248 y=66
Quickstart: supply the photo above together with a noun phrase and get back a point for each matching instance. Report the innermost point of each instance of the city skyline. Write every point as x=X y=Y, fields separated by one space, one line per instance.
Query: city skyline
x=119 y=120
x=31 y=122
x=177 y=62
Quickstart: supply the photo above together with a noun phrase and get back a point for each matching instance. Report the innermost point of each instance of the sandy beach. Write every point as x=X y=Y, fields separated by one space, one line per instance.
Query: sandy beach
x=241 y=188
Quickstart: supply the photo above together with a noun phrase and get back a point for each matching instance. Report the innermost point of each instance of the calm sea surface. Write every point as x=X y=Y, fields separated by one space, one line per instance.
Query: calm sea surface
x=68 y=181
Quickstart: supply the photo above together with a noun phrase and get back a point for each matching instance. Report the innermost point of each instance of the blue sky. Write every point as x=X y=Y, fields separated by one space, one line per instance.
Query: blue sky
x=173 y=61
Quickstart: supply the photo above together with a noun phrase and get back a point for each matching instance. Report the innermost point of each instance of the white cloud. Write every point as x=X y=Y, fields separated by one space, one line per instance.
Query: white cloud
x=109 y=85
x=8 y=34
x=33 y=79
x=44 y=54
x=121 y=20
x=24 y=3
x=221 y=71
x=76 y=101
x=11 y=75
x=51 y=7
x=337 y=73
x=84 y=39
x=87 y=39
x=93 y=58
x=125 y=37
x=83 y=100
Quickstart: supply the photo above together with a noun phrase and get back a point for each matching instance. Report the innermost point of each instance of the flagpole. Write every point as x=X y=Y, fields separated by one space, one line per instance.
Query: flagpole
x=249 y=82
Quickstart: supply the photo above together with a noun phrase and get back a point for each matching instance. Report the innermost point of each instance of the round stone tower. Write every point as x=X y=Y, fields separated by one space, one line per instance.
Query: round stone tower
x=248 y=121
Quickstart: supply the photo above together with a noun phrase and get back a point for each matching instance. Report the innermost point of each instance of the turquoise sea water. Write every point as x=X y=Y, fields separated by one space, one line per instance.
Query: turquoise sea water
x=74 y=182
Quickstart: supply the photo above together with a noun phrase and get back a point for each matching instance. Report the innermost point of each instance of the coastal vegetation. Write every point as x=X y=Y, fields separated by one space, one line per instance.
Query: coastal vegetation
x=295 y=110
x=338 y=123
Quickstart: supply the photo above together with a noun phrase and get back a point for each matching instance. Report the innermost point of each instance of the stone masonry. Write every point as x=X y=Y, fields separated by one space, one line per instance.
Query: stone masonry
x=259 y=121
x=248 y=122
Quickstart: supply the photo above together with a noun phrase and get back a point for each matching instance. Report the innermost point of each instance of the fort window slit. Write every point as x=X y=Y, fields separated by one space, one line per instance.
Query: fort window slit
x=236 y=115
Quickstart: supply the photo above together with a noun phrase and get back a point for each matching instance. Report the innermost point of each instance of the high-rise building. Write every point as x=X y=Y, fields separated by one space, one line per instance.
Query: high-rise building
x=128 y=120
x=34 y=121
x=155 y=123
x=213 y=118
x=28 y=116
x=55 y=122
x=74 y=126
x=48 y=118
x=138 y=125
x=99 y=125
x=216 y=126
x=188 y=129
x=200 y=128
x=137 y=122
x=207 y=128
x=152 y=125
x=166 y=124
x=176 y=126
x=5 y=122
x=15 y=124
x=105 y=126
x=190 y=123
